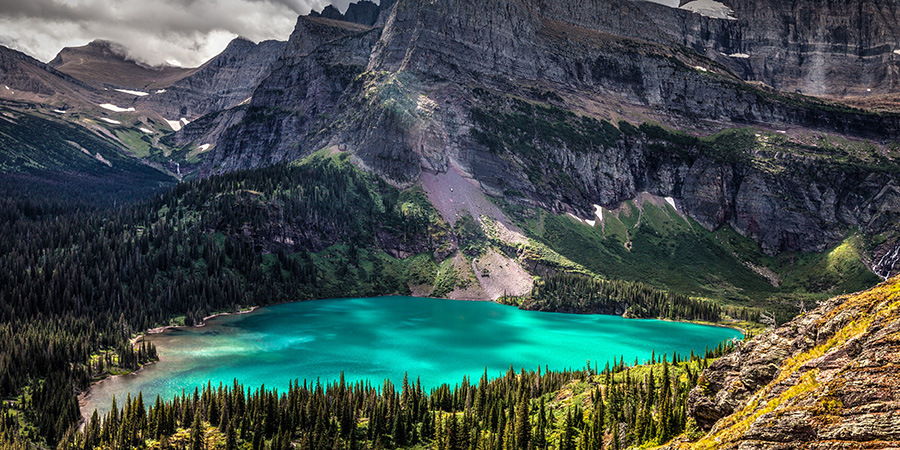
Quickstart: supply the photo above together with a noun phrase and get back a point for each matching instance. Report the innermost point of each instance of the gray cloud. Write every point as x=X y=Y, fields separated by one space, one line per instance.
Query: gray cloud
x=154 y=31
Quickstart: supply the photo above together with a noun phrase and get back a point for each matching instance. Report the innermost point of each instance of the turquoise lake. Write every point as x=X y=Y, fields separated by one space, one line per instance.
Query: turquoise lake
x=439 y=341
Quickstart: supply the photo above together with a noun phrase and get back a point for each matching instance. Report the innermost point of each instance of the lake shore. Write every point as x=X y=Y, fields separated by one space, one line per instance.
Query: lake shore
x=137 y=339
x=744 y=331
x=85 y=397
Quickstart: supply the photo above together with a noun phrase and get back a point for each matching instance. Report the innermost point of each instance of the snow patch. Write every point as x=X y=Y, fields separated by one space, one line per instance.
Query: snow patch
x=204 y=147
x=781 y=131
x=145 y=130
x=7 y=87
x=107 y=120
x=598 y=217
x=897 y=51
x=671 y=201
x=100 y=158
x=115 y=108
x=184 y=122
x=701 y=68
x=160 y=91
x=710 y=8
x=245 y=102
x=669 y=3
x=130 y=92
x=59 y=111
x=739 y=55
x=598 y=212
x=174 y=124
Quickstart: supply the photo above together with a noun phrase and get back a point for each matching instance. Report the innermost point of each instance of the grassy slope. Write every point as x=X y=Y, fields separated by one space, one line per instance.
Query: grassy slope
x=32 y=142
x=655 y=245
x=48 y=157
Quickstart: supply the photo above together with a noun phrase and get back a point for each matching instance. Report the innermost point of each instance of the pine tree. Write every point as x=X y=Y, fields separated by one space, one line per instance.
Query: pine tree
x=567 y=439
x=230 y=438
x=523 y=425
x=196 y=434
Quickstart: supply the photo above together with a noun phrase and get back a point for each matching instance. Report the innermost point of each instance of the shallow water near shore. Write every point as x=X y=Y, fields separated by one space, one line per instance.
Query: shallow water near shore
x=379 y=338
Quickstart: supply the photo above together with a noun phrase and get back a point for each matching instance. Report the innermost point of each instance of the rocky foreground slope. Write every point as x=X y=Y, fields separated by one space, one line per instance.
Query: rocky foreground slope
x=828 y=379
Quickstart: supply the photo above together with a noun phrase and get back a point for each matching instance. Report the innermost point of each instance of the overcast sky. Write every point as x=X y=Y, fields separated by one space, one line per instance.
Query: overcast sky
x=182 y=32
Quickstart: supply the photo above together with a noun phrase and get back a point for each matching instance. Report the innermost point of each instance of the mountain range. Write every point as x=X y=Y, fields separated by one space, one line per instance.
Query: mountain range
x=507 y=110
x=744 y=152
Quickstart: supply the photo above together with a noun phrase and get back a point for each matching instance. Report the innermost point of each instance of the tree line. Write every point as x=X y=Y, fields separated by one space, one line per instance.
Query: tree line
x=576 y=293
x=616 y=407
x=76 y=285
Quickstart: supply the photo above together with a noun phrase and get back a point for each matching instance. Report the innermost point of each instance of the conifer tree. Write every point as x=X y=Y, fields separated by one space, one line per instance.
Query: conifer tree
x=523 y=424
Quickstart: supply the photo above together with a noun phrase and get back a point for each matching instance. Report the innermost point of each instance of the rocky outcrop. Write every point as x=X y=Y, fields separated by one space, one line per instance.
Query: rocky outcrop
x=828 y=379
x=208 y=129
x=363 y=12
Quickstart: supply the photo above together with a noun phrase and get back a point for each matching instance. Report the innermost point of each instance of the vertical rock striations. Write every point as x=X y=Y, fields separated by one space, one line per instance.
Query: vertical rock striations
x=321 y=59
x=833 y=49
x=223 y=82
x=526 y=98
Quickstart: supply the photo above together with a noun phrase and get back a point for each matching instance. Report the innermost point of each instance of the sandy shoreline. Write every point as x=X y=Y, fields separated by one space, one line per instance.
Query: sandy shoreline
x=83 y=396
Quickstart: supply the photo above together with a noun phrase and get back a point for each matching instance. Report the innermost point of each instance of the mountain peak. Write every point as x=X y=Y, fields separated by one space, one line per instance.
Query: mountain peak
x=98 y=49
x=363 y=12
x=110 y=47
x=106 y=64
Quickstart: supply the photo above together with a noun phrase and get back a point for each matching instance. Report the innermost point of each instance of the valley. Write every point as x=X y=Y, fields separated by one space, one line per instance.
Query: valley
x=606 y=178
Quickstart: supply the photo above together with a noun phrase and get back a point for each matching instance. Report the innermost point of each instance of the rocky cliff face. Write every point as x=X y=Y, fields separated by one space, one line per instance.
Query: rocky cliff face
x=833 y=48
x=437 y=86
x=363 y=12
x=321 y=59
x=526 y=98
x=763 y=184
x=223 y=82
x=828 y=379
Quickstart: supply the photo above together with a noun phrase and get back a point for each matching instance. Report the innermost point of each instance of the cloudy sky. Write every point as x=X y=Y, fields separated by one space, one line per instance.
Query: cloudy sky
x=184 y=32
